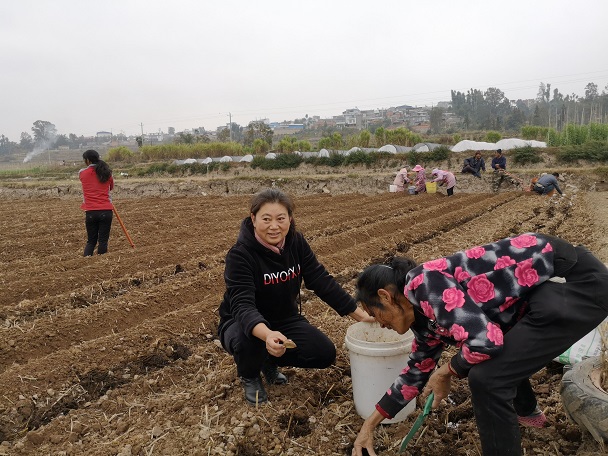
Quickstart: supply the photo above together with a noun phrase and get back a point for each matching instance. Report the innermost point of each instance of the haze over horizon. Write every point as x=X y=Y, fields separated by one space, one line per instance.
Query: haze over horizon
x=189 y=64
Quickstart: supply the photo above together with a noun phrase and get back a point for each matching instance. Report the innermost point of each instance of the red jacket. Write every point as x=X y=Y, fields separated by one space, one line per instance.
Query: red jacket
x=96 y=195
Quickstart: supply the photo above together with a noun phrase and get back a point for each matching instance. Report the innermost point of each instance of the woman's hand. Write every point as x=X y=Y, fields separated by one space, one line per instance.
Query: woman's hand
x=439 y=383
x=361 y=315
x=274 y=344
x=365 y=438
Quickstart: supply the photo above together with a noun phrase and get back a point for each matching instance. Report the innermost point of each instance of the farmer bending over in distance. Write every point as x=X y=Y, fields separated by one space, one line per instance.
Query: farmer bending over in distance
x=261 y=313
x=546 y=184
x=497 y=304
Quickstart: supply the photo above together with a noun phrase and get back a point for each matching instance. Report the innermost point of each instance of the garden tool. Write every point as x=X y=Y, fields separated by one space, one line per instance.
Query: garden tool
x=418 y=422
x=122 y=225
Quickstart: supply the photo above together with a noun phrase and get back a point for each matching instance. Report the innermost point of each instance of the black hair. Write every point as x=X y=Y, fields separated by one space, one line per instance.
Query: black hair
x=102 y=169
x=556 y=174
x=388 y=276
x=499 y=151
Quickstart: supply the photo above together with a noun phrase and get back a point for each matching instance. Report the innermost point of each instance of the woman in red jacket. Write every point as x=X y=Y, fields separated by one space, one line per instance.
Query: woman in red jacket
x=97 y=182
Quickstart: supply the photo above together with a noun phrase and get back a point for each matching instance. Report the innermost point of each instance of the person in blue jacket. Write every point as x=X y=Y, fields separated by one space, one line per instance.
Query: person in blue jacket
x=498 y=305
x=261 y=321
x=546 y=183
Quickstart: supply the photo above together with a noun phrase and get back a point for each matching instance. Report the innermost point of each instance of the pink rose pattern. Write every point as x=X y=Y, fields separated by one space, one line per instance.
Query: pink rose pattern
x=428 y=310
x=472 y=357
x=523 y=241
x=481 y=289
x=409 y=392
x=435 y=265
x=461 y=275
x=415 y=282
x=526 y=274
x=453 y=298
x=508 y=303
x=427 y=365
x=494 y=333
x=469 y=300
x=458 y=333
x=503 y=262
x=475 y=252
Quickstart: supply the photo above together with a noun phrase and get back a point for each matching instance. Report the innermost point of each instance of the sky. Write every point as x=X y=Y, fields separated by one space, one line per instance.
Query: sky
x=129 y=66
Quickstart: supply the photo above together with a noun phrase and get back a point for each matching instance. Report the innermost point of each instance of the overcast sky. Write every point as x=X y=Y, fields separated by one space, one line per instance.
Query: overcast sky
x=114 y=65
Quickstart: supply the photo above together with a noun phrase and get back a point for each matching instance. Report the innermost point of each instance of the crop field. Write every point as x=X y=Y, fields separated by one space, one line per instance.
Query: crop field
x=118 y=354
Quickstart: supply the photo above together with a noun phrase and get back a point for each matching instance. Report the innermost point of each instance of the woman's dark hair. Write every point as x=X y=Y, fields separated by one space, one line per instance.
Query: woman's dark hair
x=387 y=276
x=102 y=169
x=272 y=195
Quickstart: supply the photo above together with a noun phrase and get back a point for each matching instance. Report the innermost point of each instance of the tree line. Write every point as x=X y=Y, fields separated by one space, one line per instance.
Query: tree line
x=477 y=109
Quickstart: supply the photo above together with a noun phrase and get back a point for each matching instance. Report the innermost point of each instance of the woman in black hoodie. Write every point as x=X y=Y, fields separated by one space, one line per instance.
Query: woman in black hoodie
x=260 y=315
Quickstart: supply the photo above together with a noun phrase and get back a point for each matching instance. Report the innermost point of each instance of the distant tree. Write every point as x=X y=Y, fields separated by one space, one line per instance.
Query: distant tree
x=364 y=138
x=185 y=138
x=591 y=91
x=515 y=120
x=287 y=144
x=5 y=145
x=61 y=140
x=26 y=141
x=258 y=130
x=260 y=146
x=436 y=120
x=303 y=145
x=223 y=135
x=44 y=133
x=140 y=141
x=380 y=136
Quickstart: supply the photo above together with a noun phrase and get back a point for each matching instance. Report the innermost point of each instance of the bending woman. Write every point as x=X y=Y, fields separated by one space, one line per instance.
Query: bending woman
x=97 y=181
x=497 y=304
x=261 y=310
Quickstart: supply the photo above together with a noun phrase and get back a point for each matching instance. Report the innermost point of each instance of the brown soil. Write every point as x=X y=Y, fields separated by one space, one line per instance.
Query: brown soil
x=117 y=355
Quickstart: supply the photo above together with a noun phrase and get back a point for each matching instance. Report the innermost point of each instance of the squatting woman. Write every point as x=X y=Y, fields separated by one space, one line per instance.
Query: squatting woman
x=261 y=315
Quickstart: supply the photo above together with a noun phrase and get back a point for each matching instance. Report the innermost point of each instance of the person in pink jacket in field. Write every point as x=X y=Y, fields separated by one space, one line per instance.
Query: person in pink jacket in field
x=498 y=305
x=420 y=181
x=444 y=178
x=401 y=179
x=97 y=181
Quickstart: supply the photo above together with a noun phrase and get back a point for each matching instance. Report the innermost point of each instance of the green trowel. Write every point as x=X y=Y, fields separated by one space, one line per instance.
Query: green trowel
x=418 y=422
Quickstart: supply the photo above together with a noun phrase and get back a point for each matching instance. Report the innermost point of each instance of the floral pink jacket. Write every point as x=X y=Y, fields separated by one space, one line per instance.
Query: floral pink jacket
x=469 y=300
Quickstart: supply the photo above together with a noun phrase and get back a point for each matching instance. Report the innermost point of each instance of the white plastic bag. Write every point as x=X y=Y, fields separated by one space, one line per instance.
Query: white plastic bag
x=588 y=346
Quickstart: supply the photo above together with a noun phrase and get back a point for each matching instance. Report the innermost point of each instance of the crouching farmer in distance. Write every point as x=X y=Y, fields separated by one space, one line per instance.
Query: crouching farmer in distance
x=261 y=322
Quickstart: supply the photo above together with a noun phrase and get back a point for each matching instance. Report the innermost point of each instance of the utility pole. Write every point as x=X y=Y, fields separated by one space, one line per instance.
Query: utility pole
x=142 y=133
x=230 y=126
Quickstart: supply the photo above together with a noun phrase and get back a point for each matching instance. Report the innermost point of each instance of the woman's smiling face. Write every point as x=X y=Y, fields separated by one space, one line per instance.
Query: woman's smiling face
x=271 y=223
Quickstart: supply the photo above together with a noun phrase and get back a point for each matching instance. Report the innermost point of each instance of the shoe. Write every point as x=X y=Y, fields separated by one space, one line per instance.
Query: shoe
x=254 y=390
x=272 y=374
x=536 y=419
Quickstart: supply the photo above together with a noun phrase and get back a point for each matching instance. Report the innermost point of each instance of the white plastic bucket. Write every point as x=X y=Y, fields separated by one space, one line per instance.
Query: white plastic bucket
x=377 y=357
x=392 y=188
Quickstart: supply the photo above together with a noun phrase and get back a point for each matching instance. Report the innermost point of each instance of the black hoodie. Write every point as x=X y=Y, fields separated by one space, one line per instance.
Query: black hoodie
x=263 y=286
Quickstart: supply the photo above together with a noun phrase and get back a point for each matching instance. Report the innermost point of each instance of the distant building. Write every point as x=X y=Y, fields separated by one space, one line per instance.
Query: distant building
x=103 y=135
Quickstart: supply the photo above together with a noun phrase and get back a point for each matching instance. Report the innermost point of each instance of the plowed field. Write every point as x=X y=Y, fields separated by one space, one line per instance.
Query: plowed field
x=117 y=354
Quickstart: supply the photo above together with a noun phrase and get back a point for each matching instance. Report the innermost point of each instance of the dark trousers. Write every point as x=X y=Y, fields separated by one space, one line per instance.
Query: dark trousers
x=98 y=225
x=450 y=191
x=559 y=315
x=470 y=169
x=314 y=349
